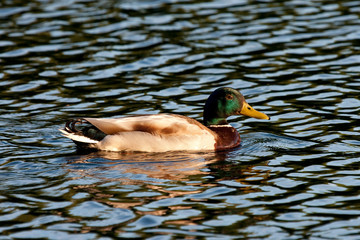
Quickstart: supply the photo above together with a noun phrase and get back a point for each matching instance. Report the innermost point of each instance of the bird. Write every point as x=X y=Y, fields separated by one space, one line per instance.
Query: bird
x=165 y=132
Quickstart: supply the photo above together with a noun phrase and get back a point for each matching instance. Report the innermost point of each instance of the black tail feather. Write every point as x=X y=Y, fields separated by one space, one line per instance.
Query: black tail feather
x=82 y=127
x=70 y=126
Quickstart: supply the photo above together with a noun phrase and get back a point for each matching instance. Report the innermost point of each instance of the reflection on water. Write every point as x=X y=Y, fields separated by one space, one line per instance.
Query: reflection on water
x=168 y=184
x=294 y=177
x=132 y=167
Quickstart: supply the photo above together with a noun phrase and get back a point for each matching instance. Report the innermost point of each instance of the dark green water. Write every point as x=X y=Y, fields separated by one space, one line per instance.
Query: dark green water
x=294 y=177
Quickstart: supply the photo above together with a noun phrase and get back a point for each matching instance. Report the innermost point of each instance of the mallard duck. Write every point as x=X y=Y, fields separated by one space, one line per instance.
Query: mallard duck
x=166 y=132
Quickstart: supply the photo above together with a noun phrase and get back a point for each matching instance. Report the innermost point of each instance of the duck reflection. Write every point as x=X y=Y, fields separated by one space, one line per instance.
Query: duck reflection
x=144 y=167
x=161 y=184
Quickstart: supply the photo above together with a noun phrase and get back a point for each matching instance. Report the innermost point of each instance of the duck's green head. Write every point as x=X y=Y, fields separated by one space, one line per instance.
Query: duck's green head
x=225 y=102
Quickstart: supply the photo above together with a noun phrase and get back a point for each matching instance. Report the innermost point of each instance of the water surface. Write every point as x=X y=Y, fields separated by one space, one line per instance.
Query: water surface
x=294 y=177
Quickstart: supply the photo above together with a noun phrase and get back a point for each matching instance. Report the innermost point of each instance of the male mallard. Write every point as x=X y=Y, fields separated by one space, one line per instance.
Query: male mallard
x=166 y=132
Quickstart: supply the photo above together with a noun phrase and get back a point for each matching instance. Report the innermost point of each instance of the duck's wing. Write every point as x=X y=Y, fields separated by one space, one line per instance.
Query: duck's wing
x=157 y=124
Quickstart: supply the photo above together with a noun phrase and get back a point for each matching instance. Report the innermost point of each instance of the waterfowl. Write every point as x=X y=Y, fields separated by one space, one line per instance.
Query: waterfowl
x=166 y=132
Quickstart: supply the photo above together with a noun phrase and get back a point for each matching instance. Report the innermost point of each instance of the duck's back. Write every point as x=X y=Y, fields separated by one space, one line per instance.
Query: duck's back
x=157 y=124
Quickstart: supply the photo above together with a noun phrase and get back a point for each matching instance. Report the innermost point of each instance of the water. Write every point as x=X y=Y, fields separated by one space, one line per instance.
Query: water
x=294 y=177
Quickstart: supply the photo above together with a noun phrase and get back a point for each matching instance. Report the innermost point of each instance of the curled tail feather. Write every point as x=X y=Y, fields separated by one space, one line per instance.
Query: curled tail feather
x=87 y=136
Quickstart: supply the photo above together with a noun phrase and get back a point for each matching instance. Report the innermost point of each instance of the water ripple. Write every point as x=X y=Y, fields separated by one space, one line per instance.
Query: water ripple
x=293 y=177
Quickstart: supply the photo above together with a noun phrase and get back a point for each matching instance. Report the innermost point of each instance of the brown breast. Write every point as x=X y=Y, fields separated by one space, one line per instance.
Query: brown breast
x=226 y=137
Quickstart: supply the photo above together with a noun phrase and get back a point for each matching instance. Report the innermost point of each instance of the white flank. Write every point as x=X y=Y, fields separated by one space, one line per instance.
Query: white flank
x=146 y=142
x=77 y=138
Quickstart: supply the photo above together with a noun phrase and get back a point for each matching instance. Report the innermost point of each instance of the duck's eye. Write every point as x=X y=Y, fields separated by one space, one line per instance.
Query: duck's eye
x=249 y=108
x=229 y=97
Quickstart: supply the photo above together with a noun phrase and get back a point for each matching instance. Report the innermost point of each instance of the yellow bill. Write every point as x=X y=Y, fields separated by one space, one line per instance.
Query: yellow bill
x=247 y=110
